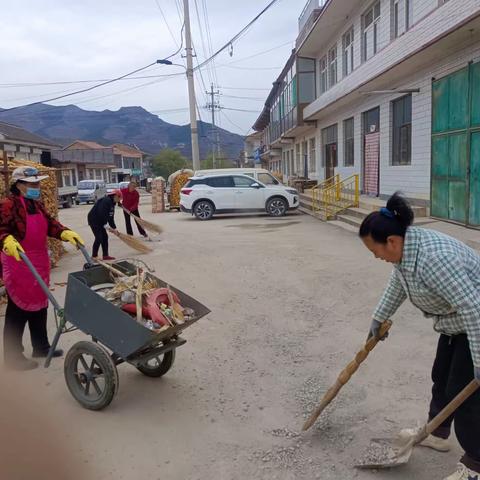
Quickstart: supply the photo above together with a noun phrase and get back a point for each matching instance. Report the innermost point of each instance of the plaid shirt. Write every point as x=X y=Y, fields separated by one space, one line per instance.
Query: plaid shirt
x=13 y=219
x=441 y=276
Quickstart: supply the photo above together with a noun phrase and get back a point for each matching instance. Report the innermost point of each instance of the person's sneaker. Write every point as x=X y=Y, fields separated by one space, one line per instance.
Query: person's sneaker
x=463 y=473
x=108 y=258
x=44 y=353
x=21 y=363
x=435 y=443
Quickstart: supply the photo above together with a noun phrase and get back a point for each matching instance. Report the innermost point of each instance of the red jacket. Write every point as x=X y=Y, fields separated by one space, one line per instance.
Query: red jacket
x=130 y=200
x=13 y=219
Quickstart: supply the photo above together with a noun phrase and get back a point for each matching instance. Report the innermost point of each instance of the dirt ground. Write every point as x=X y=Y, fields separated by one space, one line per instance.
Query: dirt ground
x=291 y=301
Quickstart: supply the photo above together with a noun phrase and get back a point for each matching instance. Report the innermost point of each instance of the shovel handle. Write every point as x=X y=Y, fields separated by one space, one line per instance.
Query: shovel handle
x=347 y=374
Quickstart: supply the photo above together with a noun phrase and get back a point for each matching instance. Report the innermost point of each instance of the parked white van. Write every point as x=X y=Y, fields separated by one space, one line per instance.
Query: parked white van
x=89 y=191
x=259 y=174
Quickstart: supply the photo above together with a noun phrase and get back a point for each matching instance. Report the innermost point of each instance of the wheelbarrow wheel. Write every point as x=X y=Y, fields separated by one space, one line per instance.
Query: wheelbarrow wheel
x=158 y=366
x=91 y=375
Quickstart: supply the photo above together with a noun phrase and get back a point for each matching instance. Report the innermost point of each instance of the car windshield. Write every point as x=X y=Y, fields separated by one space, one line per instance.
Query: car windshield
x=86 y=185
x=112 y=186
x=267 y=179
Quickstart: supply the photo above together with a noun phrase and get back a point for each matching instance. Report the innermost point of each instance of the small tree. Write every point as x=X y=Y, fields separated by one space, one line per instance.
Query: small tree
x=219 y=162
x=168 y=161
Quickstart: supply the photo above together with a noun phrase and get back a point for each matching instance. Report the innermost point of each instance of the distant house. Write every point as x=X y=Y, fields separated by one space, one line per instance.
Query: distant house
x=128 y=162
x=84 y=160
x=21 y=144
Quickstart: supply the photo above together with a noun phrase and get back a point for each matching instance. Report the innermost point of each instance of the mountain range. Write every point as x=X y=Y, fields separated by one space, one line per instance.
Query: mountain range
x=129 y=125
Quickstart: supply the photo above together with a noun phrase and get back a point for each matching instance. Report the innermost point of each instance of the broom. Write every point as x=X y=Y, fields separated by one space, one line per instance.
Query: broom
x=137 y=245
x=152 y=227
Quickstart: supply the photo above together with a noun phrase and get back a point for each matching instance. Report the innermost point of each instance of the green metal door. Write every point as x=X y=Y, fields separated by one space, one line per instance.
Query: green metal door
x=455 y=191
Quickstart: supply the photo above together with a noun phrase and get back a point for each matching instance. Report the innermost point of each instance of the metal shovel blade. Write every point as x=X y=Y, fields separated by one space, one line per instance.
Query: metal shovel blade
x=386 y=453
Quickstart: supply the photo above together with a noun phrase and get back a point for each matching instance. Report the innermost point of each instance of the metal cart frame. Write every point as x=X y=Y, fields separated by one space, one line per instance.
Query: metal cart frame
x=90 y=368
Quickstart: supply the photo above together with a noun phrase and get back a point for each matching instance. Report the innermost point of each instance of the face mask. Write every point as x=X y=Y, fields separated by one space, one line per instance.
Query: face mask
x=33 y=193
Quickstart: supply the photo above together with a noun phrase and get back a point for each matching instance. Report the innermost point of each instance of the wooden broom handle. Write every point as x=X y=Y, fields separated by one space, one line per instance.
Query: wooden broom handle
x=347 y=374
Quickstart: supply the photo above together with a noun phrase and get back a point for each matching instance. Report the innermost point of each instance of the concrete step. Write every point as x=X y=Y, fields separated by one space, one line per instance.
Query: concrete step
x=309 y=211
x=357 y=212
x=350 y=220
x=344 y=226
x=372 y=204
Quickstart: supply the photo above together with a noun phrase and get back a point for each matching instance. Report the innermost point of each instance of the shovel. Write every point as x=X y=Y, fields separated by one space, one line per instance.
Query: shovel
x=347 y=374
x=397 y=452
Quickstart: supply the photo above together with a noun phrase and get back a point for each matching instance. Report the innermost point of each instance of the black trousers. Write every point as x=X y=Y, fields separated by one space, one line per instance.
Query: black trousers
x=101 y=238
x=15 y=321
x=128 y=223
x=452 y=372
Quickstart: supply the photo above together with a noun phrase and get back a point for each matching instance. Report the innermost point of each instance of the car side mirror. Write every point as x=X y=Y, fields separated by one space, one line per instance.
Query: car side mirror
x=256 y=185
x=97 y=187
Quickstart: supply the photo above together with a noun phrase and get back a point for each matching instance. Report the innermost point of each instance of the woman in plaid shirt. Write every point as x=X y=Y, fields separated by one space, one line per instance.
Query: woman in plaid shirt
x=441 y=277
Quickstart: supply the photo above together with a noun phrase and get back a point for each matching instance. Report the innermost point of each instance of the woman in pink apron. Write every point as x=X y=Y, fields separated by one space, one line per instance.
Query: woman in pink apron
x=25 y=227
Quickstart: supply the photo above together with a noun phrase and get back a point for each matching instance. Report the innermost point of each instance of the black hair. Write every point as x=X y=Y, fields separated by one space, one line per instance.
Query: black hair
x=14 y=189
x=394 y=219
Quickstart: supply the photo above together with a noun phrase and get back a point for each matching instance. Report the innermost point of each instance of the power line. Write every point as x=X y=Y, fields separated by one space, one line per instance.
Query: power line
x=246 y=88
x=259 y=99
x=88 y=89
x=240 y=110
x=260 y=53
x=238 y=35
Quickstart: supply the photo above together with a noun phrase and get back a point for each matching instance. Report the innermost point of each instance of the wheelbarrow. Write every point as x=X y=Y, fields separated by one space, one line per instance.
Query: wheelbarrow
x=90 y=367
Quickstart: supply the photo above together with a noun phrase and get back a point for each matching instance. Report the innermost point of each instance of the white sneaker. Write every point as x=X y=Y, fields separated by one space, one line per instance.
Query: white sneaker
x=435 y=443
x=463 y=473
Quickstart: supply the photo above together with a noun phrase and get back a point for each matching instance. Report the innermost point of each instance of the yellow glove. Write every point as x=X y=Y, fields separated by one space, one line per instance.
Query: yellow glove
x=12 y=248
x=72 y=237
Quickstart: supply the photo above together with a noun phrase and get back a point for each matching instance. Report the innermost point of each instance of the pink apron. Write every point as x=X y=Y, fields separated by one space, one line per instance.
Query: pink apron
x=21 y=285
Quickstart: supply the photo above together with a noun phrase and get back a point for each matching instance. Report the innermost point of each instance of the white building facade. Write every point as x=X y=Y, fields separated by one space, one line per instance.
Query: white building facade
x=378 y=64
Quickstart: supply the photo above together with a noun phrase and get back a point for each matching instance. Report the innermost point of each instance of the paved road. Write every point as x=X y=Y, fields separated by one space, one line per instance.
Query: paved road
x=291 y=300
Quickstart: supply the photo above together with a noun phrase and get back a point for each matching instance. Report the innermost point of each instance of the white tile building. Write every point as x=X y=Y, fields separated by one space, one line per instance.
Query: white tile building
x=382 y=57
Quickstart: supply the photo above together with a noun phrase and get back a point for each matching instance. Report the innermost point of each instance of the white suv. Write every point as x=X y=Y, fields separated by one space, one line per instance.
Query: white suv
x=208 y=195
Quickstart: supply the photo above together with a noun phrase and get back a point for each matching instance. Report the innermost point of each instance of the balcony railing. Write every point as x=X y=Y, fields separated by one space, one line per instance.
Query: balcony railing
x=308 y=16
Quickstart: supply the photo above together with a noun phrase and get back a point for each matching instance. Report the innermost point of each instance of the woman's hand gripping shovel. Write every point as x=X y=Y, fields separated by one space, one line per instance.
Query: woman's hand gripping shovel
x=347 y=373
x=58 y=310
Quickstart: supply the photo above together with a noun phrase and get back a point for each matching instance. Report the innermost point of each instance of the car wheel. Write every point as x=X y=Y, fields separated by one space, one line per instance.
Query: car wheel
x=277 y=207
x=204 y=210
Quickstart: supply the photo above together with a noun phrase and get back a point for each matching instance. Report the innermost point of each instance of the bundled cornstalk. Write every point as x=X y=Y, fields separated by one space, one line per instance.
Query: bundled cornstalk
x=178 y=181
x=49 y=198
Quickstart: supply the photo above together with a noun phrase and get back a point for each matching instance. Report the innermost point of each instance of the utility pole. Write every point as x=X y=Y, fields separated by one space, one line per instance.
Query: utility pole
x=213 y=105
x=191 y=88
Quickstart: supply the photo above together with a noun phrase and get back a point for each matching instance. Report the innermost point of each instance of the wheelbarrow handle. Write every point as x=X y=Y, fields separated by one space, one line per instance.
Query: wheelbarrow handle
x=87 y=256
x=41 y=282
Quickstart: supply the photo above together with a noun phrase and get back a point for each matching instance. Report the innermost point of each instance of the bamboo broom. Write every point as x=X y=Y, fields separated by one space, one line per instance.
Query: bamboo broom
x=132 y=242
x=152 y=227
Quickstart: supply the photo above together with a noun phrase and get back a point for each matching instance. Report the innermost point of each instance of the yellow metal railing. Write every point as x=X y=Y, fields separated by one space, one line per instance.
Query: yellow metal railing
x=339 y=196
x=317 y=191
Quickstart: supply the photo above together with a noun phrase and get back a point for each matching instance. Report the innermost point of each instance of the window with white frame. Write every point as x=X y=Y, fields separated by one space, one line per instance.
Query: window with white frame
x=402 y=13
x=370 y=24
x=298 y=160
x=348 y=52
x=402 y=131
x=332 y=66
x=323 y=75
x=348 y=143
x=312 y=159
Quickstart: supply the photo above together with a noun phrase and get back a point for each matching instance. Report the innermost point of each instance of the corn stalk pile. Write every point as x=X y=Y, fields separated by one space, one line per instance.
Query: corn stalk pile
x=178 y=181
x=49 y=198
